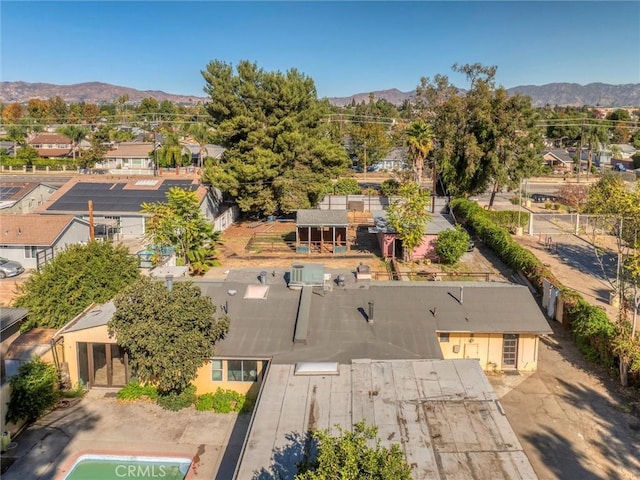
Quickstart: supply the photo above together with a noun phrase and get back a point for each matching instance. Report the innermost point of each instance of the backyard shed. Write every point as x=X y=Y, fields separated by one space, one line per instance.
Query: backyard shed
x=322 y=231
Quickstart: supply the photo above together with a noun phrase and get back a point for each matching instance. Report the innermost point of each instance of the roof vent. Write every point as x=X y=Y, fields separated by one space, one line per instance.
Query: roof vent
x=316 y=368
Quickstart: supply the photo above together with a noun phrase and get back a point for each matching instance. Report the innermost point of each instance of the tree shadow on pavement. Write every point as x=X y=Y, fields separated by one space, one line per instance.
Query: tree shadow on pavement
x=583 y=258
x=41 y=449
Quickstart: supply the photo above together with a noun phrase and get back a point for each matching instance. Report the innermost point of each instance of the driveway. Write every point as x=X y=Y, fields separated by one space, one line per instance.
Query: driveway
x=569 y=416
x=100 y=423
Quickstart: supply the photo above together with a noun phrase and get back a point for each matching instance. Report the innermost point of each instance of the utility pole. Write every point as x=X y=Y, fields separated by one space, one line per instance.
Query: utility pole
x=365 y=161
x=579 y=155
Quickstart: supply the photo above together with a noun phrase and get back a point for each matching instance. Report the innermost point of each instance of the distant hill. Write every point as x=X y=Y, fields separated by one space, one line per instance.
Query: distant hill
x=91 y=92
x=563 y=94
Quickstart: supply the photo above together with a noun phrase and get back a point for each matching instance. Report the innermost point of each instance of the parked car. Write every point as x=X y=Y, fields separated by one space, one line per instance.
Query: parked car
x=9 y=268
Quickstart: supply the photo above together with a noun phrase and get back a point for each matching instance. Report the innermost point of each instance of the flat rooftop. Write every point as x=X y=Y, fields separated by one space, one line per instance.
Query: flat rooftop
x=443 y=413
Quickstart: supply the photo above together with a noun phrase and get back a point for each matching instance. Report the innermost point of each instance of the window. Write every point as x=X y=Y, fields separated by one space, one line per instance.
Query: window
x=216 y=370
x=30 y=252
x=242 y=370
x=444 y=337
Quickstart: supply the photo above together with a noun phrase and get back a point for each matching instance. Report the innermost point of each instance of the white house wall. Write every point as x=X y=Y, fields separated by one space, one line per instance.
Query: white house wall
x=30 y=202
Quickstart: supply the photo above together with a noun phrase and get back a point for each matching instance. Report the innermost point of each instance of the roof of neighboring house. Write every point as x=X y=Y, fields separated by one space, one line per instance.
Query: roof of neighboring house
x=406 y=317
x=436 y=223
x=35 y=342
x=131 y=150
x=49 y=138
x=15 y=191
x=210 y=151
x=560 y=154
x=116 y=195
x=32 y=229
x=322 y=218
x=443 y=413
x=10 y=316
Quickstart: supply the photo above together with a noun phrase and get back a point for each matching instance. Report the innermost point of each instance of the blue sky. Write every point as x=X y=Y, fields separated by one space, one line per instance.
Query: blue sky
x=346 y=47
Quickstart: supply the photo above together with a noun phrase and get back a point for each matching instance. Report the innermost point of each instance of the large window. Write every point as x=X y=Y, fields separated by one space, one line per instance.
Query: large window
x=242 y=370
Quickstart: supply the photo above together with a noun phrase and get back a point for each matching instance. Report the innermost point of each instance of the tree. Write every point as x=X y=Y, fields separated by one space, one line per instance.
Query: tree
x=353 y=455
x=16 y=134
x=75 y=278
x=452 y=244
x=34 y=390
x=370 y=142
x=76 y=134
x=486 y=138
x=626 y=343
x=58 y=109
x=389 y=187
x=12 y=113
x=201 y=135
x=170 y=154
x=596 y=136
x=168 y=333
x=420 y=143
x=180 y=223
x=408 y=216
x=98 y=149
x=572 y=195
x=271 y=125
x=347 y=186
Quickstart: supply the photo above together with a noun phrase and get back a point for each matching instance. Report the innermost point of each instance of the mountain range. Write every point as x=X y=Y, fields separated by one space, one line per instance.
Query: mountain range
x=563 y=94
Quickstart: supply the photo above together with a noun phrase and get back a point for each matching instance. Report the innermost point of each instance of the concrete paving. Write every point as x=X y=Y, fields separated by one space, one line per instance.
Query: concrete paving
x=99 y=423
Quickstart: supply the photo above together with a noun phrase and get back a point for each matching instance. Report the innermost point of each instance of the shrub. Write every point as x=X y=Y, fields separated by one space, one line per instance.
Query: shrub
x=593 y=332
x=175 y=400
x=76 y=392
x=135 y=391
x=346 y=186
x=204 y=402
x=452 y=244
x=225 y=401
x=389 y=187
x=34 y=390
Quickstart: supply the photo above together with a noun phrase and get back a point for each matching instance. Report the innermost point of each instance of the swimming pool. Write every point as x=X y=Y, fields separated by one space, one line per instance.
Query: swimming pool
x=114 y=467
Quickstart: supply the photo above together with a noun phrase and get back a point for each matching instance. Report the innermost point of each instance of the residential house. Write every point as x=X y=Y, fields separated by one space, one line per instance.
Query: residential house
x=129 y=157
x=350 y=351
x=32 y=239
x=391 y=245
x=10 y=321
x=51 y=145
x=23 y=197
x=396 y=159
x=616 y=153
x=117 y=202
x=209 y=151
x=7 y=147
x=558 y=159
x=498 y=324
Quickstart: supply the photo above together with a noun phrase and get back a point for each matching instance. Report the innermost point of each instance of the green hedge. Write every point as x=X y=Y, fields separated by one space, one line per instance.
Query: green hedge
x=592 y=330
x=34 y=390
x=38 y=163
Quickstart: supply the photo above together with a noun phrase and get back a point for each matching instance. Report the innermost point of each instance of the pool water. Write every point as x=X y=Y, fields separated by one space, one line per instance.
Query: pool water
x=113 y=467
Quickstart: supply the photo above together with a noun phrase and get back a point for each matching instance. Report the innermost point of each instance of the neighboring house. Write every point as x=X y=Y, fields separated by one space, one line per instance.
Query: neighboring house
x=322 y=231
x=624 y=154
x=396 y=159
x=10 y=321
x=25 y=237
x=129 y=157
x=51 y=145
x=209 y=151
x=34 y=343
x=391 y=245
x=558 y=159
x=117 y=202
x=497 y=324
x=23 y=197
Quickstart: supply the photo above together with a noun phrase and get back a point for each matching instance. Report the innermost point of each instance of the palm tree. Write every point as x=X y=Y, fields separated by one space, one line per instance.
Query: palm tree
x=595 y=136
x=420 y=143
x=16 y=134
x=76 y=133
x=200 y=133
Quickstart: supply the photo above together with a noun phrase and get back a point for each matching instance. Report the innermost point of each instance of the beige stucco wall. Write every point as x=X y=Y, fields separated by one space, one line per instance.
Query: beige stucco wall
x=204 y=383
x=488 y=349
x=70 y=350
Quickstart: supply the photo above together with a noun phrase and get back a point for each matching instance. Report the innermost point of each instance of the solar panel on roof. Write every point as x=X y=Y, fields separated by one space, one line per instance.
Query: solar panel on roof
x=6 y=192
